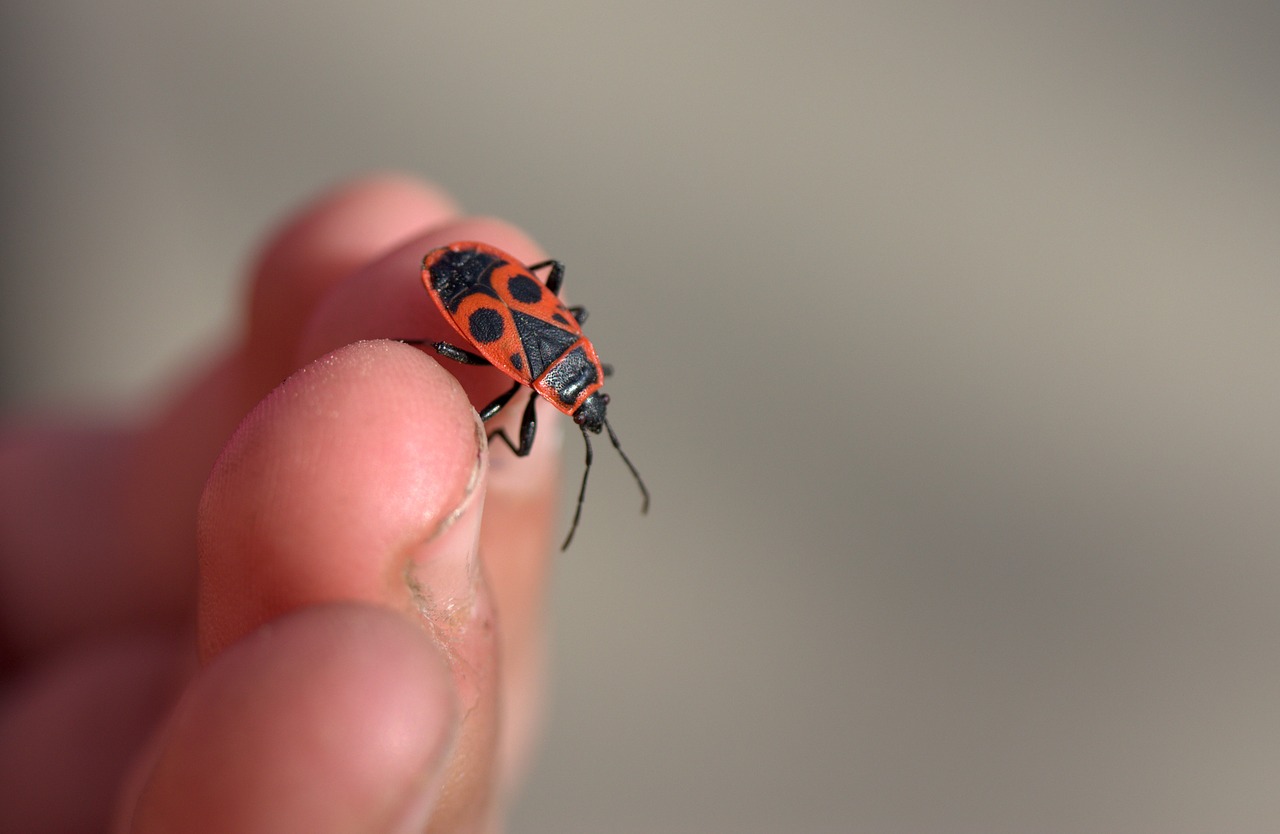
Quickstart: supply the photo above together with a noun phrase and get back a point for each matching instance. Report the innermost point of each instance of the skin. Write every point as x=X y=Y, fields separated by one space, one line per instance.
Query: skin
x=297 y=596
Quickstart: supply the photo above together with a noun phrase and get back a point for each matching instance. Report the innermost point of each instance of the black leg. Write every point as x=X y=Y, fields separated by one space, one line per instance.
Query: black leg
x=502 y=399
x=607 y=369
x=579 y=313
x=528 y=425
x=457 y=354
x=556 y=278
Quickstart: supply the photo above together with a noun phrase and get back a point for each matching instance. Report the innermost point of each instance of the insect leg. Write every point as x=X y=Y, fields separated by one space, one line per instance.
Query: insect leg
x=579 y=313
x=528 y=423
x=457 y=354
x=556 y=278
x=607 y=369
x=501 y=400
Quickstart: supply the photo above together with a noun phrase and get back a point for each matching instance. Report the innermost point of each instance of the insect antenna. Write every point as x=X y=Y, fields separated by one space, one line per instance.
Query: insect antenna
x=643 y=489
x=582 y=492
x=586 y=471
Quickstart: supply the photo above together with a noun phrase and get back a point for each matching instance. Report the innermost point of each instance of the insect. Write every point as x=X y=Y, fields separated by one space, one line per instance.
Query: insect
x=517 y=324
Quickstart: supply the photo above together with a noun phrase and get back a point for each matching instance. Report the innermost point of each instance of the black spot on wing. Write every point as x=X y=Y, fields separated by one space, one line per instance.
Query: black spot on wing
x=517 y=361
x=485 y=326
x=524 y=289
x=543 y=342
x=457 y=274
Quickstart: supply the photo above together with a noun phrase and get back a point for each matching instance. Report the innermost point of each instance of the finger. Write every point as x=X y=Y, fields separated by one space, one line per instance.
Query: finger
x=386 y=299
x=336 y=718
x=361 y=478
x=72 y=727
x=173 y=455
x=60 y=546
x=96 y=523
x=335 y=236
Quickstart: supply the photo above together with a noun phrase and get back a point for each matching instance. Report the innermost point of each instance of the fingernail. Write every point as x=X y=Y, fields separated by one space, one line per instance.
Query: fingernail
x=443 y=575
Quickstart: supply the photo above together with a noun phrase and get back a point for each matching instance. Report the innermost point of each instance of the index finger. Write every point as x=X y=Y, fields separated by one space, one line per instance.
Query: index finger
x=97 y=521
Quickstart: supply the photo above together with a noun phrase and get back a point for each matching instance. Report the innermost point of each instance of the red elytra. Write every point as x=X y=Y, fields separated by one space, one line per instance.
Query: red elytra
x=519 y=325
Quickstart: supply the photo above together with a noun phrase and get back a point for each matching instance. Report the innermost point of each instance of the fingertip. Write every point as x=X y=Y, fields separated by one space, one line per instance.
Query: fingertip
x=332 y=236
x=330 y=485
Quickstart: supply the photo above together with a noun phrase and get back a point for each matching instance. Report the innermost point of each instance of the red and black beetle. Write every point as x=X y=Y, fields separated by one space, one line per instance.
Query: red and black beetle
x=517 y=324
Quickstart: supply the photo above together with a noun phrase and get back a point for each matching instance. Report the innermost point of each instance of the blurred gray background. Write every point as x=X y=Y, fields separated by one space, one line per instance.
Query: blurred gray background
x=946 y=338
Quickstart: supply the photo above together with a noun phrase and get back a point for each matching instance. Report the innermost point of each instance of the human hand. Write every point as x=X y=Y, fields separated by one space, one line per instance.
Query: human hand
x=339 y=629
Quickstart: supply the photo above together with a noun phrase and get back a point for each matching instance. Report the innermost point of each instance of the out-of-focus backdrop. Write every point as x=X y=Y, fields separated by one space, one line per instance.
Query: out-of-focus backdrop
x=947 y=338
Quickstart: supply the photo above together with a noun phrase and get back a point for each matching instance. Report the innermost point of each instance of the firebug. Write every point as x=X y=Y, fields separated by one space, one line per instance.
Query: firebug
x=517 y=323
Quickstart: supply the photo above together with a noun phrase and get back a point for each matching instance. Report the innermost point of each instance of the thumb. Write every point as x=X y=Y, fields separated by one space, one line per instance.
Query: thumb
x=356 y=486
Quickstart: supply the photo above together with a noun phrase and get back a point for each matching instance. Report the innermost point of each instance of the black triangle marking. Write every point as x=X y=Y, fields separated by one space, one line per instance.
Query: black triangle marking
x=543 y=343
